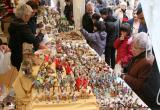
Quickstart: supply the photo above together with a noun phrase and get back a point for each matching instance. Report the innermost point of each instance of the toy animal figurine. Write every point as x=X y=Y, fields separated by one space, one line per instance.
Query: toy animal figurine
x=74 y=97
x=72 y=85
x=57 y=98
x=64 y=95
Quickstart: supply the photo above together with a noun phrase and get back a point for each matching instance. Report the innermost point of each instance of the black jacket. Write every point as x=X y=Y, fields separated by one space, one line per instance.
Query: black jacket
x=87 y=23
x=112 y=29
x=20 y=32
x=68 y=12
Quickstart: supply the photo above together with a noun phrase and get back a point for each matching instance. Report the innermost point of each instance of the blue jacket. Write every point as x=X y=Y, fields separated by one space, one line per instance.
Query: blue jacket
x=97 y=40
x=142 y=28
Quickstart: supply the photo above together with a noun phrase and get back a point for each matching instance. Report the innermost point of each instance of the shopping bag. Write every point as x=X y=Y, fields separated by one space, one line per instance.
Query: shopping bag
x=5 y=62
x=118 y=70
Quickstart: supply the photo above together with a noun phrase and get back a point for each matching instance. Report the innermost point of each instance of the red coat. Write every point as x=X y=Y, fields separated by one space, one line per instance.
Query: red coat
x=124 y=53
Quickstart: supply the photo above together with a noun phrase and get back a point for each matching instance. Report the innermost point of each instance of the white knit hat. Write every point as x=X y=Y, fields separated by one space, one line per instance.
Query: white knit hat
x=143 y=41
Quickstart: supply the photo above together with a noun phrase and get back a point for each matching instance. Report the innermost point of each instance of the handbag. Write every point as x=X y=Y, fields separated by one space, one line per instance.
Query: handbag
x=5 y=62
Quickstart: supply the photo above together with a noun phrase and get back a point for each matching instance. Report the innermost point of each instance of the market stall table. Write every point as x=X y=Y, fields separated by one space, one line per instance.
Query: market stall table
x=70 y=59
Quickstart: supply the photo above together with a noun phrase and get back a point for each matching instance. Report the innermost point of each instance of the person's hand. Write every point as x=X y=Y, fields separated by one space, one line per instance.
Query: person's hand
x=123 y=76
x=42 y=46
x=80 y=29
x=119 y=62
x=4 y=48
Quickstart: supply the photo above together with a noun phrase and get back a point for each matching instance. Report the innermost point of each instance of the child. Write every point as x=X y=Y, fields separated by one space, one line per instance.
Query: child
x=98 y=38
x=96 y=17
x=123 y=46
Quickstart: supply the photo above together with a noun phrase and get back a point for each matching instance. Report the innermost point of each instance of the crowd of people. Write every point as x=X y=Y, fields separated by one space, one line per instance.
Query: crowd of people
x=121 y=37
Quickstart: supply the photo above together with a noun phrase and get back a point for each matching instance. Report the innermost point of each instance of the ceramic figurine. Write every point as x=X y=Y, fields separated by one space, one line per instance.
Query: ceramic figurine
x=64 y=95
x=57 y=98
x=74 y=97
x=47 y=87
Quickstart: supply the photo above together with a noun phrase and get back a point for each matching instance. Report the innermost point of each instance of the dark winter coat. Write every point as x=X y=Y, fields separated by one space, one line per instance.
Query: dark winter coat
x=87 y=23
x=68 y=12
x=112 y=29
x=139 y=71
x=97 y=40
x=20 y=32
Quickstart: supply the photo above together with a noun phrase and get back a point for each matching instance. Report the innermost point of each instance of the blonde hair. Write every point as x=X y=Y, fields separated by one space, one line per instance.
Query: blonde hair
x=22 y=10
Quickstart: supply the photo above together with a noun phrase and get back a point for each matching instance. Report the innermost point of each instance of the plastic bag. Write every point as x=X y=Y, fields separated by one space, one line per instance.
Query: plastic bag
x=5 y=62
x=118 y=70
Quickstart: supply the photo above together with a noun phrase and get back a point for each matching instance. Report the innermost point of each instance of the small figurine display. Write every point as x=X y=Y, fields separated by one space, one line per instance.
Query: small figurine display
x=63 y=25
x=73 y=35
x=74 y=72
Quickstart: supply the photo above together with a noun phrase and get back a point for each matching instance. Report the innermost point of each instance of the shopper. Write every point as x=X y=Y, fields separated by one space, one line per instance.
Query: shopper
x=20 y=32
x=33 y=20
x=123 y=46
x=141 y=63
x=143 y=75
x=112 y=29
x=121 y=12
x=96 y=17
x=87 y=22
x=142 y=19
x=135 y=23
x=98 y=38
x=68 y=11
x=100 y=4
